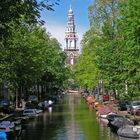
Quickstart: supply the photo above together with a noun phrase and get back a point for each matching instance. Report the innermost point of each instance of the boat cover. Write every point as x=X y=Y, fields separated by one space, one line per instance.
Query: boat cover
x=128 y=131
x=105 y=110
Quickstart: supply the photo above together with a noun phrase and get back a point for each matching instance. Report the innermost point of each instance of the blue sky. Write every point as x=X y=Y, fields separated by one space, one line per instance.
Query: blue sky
x=56 y=20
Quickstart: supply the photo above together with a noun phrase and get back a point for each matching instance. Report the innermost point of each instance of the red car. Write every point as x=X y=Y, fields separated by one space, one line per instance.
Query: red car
x=105 y=98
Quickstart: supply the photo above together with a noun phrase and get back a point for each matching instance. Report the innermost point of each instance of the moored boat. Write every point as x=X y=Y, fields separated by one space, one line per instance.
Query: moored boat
x=90 y=100
x=129 y=132
x=31 y=113
x=11 y=128
x=111 y=117
x=119 y=122
x=98 y=106
x=104 y=112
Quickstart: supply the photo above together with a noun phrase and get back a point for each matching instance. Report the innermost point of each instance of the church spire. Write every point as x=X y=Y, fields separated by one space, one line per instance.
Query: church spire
x=71 y=47
x=70 y=10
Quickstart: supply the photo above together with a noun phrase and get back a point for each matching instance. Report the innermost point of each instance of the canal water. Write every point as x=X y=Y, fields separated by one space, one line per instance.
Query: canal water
x=70 y=119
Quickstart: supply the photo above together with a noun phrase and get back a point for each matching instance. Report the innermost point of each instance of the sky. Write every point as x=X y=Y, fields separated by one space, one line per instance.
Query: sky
x=56 y=21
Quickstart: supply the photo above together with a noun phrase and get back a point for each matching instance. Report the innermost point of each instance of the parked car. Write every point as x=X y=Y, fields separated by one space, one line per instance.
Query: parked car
x=105 y=98
x=134 y=107
x=5 y=106
x=33 y=98
x=123 y=105
x=31 y=105
x=4 y=102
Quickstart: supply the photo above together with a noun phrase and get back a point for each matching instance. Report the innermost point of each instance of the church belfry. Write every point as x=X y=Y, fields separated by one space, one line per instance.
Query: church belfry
x=71 y=38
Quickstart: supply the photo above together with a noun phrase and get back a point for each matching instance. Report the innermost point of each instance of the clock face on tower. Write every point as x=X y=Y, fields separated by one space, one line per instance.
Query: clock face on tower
x=71 y=48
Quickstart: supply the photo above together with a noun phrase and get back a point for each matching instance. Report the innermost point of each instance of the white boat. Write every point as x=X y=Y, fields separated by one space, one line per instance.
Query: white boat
x=50 y=102
x=31 y=113
x=39 y=111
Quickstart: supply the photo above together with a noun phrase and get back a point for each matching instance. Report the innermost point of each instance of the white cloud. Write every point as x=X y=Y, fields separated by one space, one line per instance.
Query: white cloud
x=57 y=30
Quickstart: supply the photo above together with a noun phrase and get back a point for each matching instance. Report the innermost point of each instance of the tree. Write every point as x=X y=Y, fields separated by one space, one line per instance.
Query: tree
x=114 y=35
x=25 y=45
x=130 y=31
x=13 y=13
x=86 y=72
x=56 y=73
x=101 y=40
x=19 y=11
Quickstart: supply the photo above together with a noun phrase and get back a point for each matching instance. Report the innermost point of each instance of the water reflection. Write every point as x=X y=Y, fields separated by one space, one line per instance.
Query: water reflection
x=50 y=110
x=70 y=119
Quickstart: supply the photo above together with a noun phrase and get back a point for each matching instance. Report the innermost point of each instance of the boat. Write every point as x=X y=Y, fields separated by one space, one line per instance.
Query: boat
x=105 y=115
x=31 y=113
x=24 y=119
x=50 y=103
x=129 y=132
x=90 y=100
x=7 y=126
x=98 y=106
x=119 y=122
x=111 y=117
x=38 y=111
x=13 y=128
x=103 y=121
x=104 y=112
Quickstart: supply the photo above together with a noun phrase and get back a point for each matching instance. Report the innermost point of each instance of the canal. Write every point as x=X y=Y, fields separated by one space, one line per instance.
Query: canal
x=70 y=119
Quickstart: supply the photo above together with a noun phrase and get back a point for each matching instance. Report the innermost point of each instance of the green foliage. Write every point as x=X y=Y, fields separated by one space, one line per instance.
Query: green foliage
x=97 y=41
x=18 y=11
x=130 y=27
x=56 y=73
x=29 y=56
x=113 y=44
x=86 y=72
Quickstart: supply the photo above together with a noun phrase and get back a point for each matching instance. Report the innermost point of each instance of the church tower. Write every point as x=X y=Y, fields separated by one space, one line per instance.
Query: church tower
x=71 y=39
